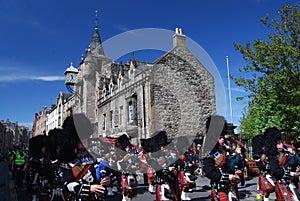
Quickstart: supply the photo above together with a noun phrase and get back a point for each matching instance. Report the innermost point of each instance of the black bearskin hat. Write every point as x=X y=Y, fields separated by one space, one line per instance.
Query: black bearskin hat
x=258 y=143
x=36 y=144
x=272 y=136
x=54 y=142
x=77 y=127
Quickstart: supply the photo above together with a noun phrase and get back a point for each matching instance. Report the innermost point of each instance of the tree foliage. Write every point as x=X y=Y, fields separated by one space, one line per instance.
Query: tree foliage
x=273 y=81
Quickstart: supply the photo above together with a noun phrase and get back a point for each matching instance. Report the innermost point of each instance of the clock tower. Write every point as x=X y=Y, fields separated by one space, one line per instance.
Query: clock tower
x=71 y=75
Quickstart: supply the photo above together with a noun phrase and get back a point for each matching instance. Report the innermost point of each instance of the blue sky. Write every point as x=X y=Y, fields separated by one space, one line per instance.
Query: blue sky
x=39 y=39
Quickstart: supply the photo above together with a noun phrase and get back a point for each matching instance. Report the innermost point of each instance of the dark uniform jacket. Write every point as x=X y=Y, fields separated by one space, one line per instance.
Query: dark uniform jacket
x=216 y=165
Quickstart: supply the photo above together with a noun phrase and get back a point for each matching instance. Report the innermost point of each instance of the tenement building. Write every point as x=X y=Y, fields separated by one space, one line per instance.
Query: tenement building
x=175 y=93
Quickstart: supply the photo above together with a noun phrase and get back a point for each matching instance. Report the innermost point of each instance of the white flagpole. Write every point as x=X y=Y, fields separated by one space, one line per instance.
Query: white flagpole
x=229 y=89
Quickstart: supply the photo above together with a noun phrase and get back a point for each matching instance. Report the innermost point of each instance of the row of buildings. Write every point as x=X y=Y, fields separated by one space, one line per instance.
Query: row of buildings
x=175 y=93
x=53 y=117
x=11 y=133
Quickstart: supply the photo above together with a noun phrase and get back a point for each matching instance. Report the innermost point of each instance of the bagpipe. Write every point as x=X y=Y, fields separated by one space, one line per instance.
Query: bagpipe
x=285 y=188
x=225 y=189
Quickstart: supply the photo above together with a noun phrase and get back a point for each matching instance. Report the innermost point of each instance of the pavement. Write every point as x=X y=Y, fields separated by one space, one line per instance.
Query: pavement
x=5 y=192
x=201 y=193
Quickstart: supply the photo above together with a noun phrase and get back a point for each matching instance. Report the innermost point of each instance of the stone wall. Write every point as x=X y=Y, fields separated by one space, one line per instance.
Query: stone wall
x=183 y=94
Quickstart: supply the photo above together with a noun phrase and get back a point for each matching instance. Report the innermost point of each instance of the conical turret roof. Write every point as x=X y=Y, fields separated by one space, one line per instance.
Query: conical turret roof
x=96 y=41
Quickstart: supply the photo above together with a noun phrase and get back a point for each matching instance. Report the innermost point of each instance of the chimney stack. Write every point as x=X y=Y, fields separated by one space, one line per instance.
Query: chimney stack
x=178 y=38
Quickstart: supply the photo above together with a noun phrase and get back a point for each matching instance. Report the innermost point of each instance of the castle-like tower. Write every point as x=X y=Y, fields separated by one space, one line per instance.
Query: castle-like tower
x=91 y=65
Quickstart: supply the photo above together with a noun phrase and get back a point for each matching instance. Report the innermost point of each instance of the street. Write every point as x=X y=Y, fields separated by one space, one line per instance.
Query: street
x=9 y=193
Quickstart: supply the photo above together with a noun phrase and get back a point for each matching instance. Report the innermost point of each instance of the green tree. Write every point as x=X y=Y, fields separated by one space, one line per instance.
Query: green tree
x=272 y=80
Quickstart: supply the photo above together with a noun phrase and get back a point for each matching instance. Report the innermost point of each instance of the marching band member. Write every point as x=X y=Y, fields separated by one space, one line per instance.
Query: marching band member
x=78 y=168
x=52 y=170
x=36 y=154
x=216 y=164
x=277 y=158
x=186 y=165
x=128 y=178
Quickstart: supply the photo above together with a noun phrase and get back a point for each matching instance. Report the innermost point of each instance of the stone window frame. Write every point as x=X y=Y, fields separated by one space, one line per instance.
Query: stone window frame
x=132 y=118
x=111 y=118
x=104 y=122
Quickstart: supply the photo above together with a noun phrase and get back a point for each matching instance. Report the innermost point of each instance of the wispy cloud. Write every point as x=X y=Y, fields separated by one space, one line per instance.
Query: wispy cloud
x=49 y=78
x=13 y=78
x=13 y=72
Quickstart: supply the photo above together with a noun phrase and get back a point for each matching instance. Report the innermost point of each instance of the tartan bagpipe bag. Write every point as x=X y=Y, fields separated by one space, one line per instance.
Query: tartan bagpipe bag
x=264 y=184
x=219 y=159
x=80 y=170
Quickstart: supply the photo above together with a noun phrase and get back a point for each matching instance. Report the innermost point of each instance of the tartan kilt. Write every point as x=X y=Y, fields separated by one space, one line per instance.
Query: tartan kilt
x=282 y=192
x=223 y=196
x=214 y=196
x=264 y=184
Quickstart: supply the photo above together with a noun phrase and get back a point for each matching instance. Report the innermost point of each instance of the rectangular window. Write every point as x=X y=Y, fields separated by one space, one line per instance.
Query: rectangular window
x=111 y=118
x=104 y=122
x=120 y=115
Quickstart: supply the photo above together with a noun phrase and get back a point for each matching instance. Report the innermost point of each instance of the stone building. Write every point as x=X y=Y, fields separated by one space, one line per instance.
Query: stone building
x=11 y=133
x=175 y=93
x=58 y=112
x=53 y=117
x=40 y=124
